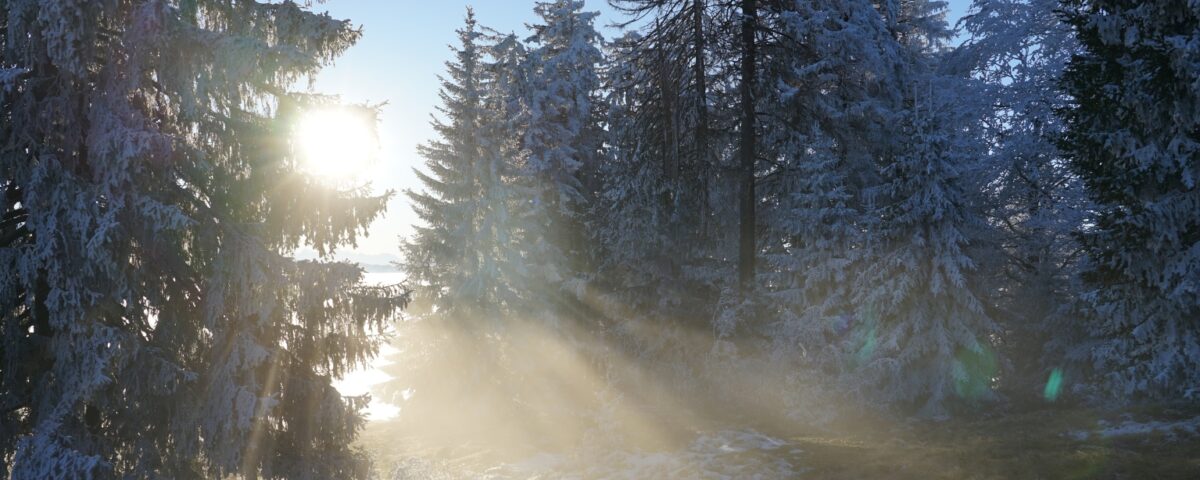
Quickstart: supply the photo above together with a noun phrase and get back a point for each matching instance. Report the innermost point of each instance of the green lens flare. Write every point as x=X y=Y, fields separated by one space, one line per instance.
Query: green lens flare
x=1053 y=385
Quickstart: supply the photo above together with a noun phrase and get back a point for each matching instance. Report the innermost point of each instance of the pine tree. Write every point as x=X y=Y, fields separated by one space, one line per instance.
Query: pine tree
x=508 y=188
x=671 y=53
x=1019 y=48
x=665 y=165
x=635 y=205
x=153 y=323
x=828 y=124
x=563 y=141
x=922 y=334
x=467 y=259
x=460 y=256
x=1133 y=136
x=646 y=208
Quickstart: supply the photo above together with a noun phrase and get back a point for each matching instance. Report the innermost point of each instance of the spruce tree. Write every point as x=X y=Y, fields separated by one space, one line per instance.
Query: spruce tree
x=466 y=258
x=632 y=211
x=563 y=144
x=1019 y=49
x=923 y=337
x=458 y=255
x=668 y=137
x=646 y=208
x=828 y=123
x=1133 y=136
x=663 y=74
x=153 y=322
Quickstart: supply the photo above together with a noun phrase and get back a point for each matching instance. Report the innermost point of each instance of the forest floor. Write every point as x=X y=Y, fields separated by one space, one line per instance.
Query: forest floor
x=1063 y=443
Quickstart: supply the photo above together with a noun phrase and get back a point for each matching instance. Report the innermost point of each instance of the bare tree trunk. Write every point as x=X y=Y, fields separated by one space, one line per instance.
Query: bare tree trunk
x=669 y=91
x=746 y=247
x=699 y=70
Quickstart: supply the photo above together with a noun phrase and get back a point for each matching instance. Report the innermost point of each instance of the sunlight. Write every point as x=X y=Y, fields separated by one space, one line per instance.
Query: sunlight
x=336 y=144
x=360 y=381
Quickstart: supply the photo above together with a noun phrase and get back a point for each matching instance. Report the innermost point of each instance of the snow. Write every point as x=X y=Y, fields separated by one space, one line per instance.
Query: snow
x=725 y=454
x=1171 y=429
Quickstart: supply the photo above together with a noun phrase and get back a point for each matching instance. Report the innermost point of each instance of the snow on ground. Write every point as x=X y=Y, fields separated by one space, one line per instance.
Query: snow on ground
x=1170 y=428
x=729 y=454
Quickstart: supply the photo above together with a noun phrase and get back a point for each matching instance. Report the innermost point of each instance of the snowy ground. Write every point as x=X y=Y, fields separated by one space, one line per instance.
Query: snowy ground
x=731 y=454
x=1070 y=443
x=1181 y=429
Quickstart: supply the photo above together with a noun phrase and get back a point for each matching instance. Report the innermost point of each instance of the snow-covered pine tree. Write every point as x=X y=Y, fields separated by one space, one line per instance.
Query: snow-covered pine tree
x=1133 y=136
x=645 y=211
x=673 y=46
x=508 y=190
x=458 y=257
x=922 y=333
x=1019 y=48
x=923 y=337
x=662 y=82
x=466 y=259
x=632 y=212
x=152 y=323
x=834 y=90
x=563 y=140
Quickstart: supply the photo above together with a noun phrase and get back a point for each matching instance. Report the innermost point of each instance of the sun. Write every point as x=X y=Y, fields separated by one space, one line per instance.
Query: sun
x=336 y=144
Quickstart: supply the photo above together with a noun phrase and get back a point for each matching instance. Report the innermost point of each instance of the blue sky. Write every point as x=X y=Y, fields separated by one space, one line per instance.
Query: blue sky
x=404 y=48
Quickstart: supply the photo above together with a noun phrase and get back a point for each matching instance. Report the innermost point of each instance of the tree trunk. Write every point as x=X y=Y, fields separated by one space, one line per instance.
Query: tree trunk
x=699 y=70
x=746 y=147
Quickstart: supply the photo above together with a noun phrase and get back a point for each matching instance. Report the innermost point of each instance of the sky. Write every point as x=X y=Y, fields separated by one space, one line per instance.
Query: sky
x=404 y=48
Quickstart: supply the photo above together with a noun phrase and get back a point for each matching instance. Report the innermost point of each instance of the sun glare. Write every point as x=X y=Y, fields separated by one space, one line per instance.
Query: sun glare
x=337 y=143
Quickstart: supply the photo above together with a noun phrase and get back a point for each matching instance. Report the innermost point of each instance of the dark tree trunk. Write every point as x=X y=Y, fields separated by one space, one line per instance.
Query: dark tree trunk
x=702 y=168
x=746 y=146
x=669 y=90
x=700 y=72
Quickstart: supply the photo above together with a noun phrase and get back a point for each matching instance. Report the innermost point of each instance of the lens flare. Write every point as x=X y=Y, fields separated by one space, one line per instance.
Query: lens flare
x=1053 y=385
